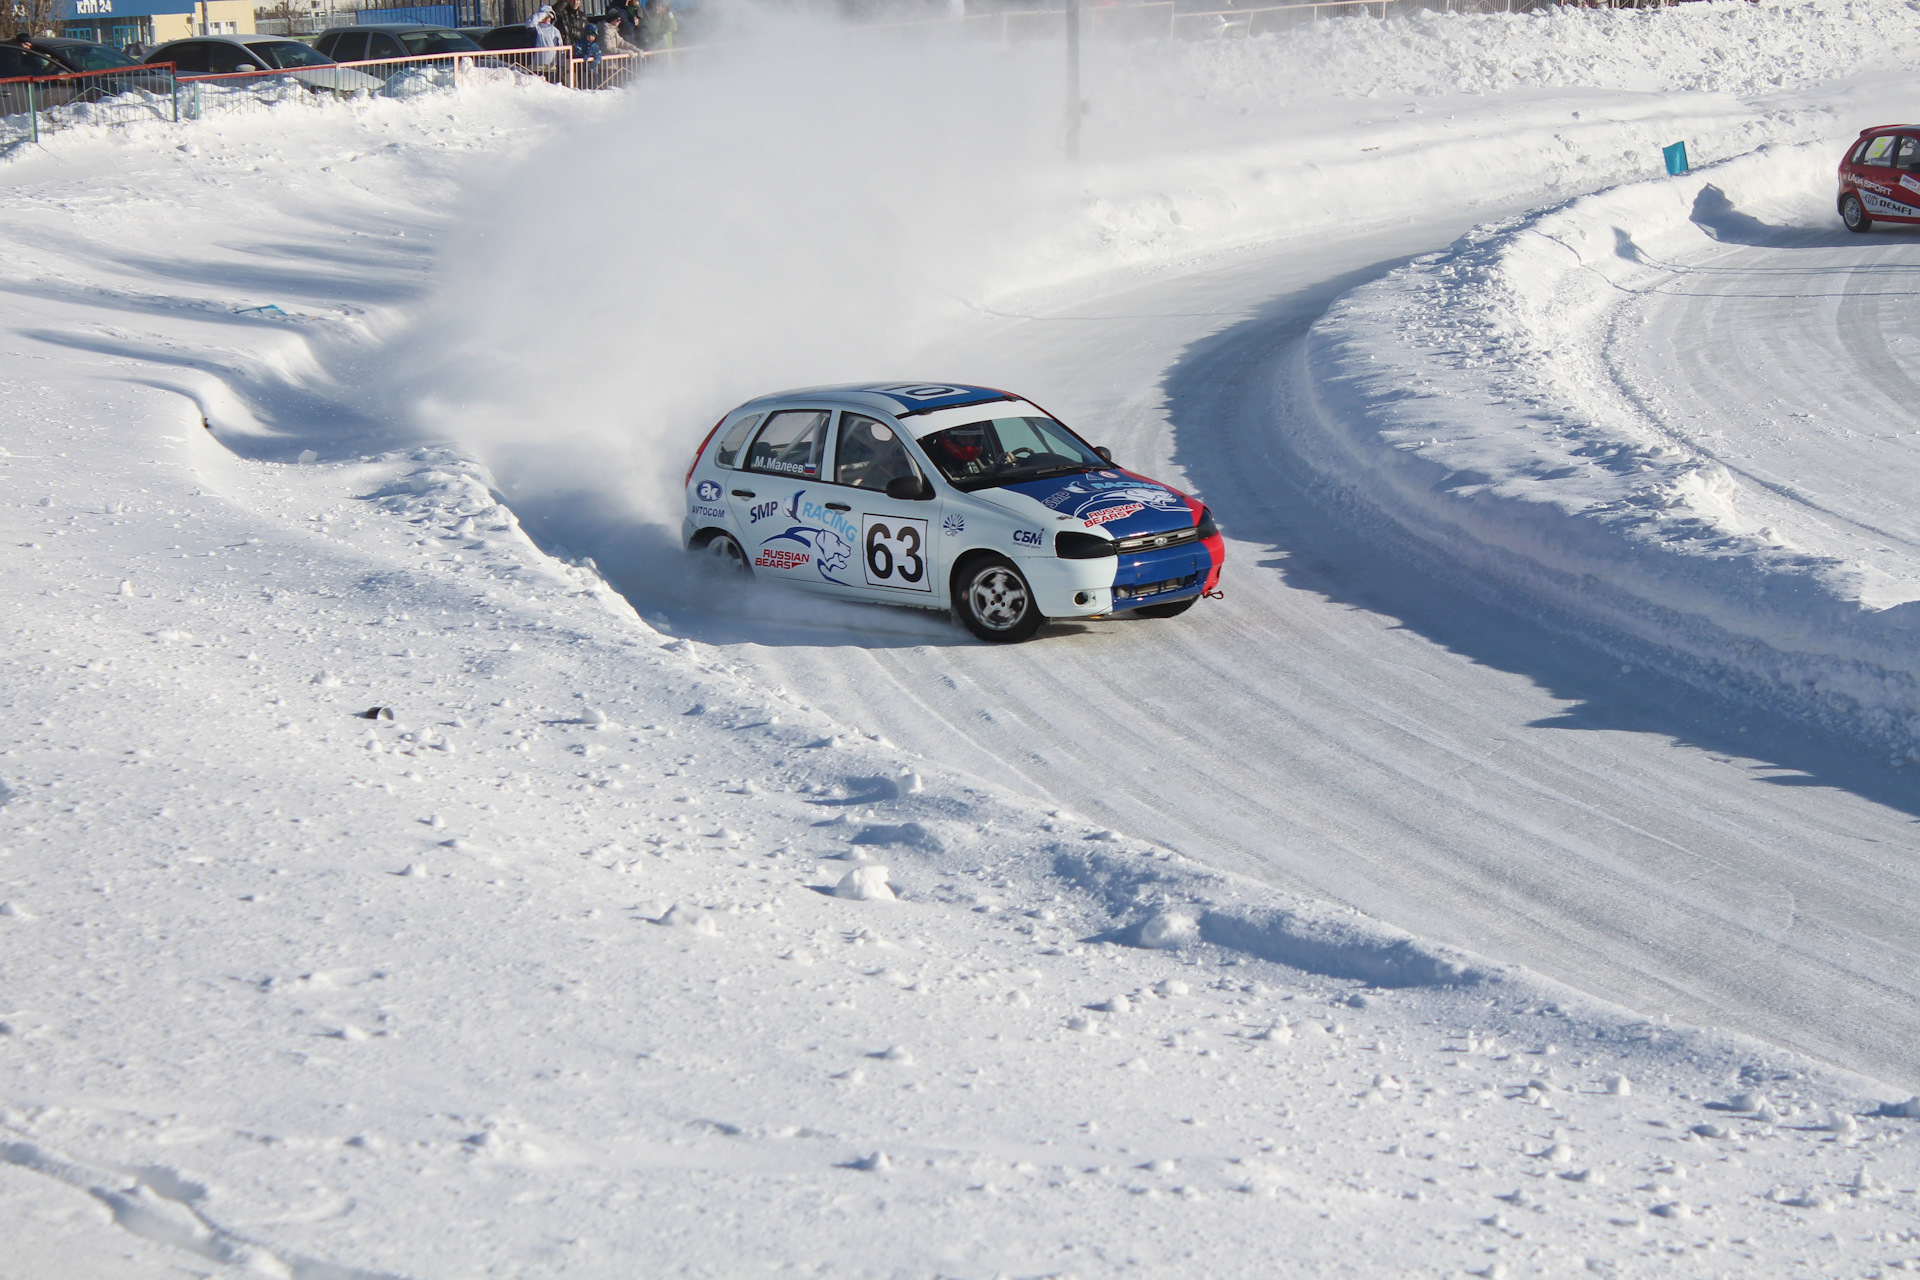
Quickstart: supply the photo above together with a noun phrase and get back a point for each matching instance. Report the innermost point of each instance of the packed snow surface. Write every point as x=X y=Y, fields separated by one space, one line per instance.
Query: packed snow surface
x=1675 y=408
x=381 y=894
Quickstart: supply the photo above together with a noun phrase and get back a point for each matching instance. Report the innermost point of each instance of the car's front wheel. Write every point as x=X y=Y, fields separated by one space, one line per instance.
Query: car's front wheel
x=1854 y=214
x=721 y=553
x=995 y=602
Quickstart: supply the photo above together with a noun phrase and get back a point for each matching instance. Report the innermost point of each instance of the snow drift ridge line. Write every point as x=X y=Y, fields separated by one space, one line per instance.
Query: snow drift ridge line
x=1458 y=398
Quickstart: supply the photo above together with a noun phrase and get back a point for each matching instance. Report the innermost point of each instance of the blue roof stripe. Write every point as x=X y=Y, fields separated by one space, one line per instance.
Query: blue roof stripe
x=920 y=397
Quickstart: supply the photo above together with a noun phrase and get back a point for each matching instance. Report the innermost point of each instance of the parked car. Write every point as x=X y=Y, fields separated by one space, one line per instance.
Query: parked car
x=518 y=35
x=1880 y=177
x=51 y=56
x=237 y=55
x=378 y=40
x=944 y=496
x=106 y=62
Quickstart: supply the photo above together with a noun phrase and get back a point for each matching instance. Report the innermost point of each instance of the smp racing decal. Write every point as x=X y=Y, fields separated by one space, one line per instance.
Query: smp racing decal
x=825 y=539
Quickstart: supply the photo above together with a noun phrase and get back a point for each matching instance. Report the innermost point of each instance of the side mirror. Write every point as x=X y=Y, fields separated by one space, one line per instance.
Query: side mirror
x=909 y=489
x=1104 y=452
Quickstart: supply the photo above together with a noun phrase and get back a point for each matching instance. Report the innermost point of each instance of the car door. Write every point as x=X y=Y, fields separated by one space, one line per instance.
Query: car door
x=899 y=546
x=1874 y=176
x=1905 y=177
x=776 y=498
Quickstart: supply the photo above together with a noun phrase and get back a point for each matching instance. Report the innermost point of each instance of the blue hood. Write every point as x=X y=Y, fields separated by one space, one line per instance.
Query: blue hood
x=1118 y=501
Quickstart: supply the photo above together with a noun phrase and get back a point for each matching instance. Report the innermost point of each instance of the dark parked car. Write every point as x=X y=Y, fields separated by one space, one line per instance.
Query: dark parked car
x=59 y=56
x=378 y=40
x=237 y=55
x=516 y=36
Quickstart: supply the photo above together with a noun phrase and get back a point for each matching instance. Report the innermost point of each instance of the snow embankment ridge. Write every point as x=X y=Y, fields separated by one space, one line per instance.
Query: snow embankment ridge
x=1467 y=396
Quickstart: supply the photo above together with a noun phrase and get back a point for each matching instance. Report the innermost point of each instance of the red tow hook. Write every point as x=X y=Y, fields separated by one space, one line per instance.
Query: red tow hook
x=1214 y=595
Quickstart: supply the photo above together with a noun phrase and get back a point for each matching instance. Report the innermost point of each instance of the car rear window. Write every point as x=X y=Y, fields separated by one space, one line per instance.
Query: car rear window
x=421 y=43
x=289 y=53
x=728 y=453
x=97 y=57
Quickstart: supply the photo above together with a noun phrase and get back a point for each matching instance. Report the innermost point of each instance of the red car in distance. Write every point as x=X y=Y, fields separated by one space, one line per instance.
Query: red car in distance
x=1880 y=177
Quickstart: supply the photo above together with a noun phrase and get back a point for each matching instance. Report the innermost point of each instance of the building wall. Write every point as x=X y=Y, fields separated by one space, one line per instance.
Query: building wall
x=211 y=18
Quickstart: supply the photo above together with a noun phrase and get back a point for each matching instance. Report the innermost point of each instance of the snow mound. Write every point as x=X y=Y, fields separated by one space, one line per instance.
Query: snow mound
x=1464 y=397
x=1734 y=48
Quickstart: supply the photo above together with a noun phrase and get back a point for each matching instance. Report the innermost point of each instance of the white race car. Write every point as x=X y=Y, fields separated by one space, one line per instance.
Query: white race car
x=944 y=497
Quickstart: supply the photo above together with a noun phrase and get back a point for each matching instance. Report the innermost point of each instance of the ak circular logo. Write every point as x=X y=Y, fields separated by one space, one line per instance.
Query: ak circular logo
x=708 y=491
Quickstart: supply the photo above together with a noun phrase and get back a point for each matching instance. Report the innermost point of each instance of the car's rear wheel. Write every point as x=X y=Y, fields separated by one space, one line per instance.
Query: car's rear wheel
x=1171 y=609
x=1854 y=214
x=995 y=602
x=721 y=553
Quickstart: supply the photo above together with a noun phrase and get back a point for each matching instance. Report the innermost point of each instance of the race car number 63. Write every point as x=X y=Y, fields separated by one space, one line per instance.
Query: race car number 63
x=895 y=552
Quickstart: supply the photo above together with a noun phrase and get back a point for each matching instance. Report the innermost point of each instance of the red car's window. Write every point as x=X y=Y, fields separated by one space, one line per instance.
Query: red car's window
x=1878 y=151
x=1907 y=154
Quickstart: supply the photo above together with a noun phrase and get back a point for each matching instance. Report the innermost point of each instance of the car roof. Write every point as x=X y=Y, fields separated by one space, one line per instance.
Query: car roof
x=63 y=42
x=388 y=27
x=901 y=399
x=1890 y=128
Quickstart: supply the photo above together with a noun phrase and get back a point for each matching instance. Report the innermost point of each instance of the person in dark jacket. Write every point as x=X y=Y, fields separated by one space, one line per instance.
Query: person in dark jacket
x=658 y=26
x=571 y=22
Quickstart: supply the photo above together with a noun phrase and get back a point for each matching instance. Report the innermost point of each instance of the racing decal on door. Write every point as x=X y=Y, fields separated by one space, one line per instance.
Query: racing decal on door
x=896 y=552
x=814 y=536
x=1879 y=206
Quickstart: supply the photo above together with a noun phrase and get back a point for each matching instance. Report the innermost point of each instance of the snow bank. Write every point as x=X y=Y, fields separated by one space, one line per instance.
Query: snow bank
x=1733 y=48
x=1466 y=397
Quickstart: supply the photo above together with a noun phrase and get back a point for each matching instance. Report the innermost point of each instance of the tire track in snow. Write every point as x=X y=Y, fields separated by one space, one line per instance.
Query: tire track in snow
x=157 y=1204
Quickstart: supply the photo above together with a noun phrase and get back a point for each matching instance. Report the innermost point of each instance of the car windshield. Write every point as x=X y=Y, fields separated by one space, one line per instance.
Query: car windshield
x=422 y=43
x=979 y=455
x=95 y=57
x=289 y=53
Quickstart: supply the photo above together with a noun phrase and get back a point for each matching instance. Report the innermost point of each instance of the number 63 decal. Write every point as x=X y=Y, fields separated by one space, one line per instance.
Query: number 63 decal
x=895 y=552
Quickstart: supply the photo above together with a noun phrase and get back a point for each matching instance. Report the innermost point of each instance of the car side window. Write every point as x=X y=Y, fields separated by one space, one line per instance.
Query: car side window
x=727 y=454
x=790 y=443
x=1907 y=154
x=190 y=59
x=350 y=47
x=228 y=57
x=868 y=453
x=382 y=45
x=1879 y=151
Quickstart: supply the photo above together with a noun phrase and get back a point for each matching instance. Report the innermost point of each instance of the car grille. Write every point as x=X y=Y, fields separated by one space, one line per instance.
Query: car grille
x=1155 y=541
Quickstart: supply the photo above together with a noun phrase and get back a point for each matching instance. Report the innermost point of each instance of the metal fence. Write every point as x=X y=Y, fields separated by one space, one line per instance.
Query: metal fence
x=31 y=105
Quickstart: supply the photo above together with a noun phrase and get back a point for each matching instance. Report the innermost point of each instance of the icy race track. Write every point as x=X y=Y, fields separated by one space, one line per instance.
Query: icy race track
x=1372 y=716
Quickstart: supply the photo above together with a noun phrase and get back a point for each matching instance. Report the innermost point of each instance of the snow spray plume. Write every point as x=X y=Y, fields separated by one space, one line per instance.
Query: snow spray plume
x=792 y=212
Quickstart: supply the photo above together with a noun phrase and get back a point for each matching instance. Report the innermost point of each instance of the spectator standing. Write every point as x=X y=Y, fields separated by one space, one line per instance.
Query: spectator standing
x=658 y=26
x=546 y=35
x=607 y=36
x=571 y=22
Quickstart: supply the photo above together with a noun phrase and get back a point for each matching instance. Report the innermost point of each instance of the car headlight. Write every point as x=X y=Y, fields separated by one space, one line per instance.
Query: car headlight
x=1081 y=546
x=1207 y=527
